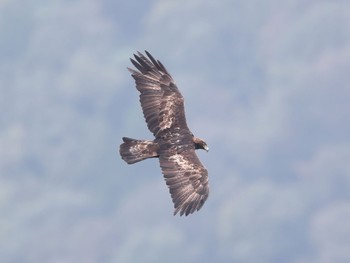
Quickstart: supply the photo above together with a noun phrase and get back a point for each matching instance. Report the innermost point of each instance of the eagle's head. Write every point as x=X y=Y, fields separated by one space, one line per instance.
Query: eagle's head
x=200 y=144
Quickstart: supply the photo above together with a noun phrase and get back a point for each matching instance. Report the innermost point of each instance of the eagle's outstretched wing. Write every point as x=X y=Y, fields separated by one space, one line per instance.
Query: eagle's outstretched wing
x=187 y=180
x=161 y=101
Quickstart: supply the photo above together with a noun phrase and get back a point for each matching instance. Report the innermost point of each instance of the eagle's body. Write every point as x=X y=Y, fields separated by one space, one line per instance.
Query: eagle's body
x=174 y=143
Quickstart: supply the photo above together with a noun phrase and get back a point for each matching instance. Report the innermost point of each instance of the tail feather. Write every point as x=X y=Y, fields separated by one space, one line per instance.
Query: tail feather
x=132 y=150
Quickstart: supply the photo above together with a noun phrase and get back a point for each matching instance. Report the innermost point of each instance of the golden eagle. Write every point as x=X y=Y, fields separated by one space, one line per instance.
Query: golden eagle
x=174 y=144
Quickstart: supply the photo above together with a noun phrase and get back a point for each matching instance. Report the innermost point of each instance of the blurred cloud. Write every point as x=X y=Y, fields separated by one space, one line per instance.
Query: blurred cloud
x=330 y=231
x=265 y=83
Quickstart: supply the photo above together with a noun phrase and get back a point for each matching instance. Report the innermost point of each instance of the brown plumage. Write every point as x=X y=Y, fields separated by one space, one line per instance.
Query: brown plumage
x=174 y=144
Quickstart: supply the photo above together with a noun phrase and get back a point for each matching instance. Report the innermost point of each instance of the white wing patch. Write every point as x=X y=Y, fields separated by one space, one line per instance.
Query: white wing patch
x=181 y=161
x=169 y=110
x=167 y=115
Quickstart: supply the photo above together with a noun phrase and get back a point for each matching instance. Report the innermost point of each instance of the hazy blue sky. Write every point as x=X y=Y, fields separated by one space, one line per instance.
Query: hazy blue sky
x=266 y=84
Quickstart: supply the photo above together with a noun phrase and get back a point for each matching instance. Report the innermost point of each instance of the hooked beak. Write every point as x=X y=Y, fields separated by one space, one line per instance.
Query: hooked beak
x=206 y=148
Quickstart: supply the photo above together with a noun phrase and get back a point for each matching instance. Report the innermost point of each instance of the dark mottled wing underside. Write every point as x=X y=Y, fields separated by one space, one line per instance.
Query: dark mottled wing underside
x=161 y=101
x=187 y=180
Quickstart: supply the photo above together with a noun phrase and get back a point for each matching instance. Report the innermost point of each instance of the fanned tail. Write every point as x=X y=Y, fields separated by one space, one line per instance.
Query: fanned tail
x=133 y=151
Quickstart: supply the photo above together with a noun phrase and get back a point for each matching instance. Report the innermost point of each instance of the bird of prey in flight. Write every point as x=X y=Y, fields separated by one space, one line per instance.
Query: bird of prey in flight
x=174 y=144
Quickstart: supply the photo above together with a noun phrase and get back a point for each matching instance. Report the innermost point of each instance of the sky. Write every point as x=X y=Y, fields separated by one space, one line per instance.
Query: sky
x=265 y=84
